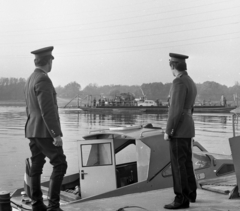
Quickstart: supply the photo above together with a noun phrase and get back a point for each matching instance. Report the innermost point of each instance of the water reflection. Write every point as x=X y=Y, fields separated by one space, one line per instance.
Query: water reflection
x=215 y=119
x=212 y=131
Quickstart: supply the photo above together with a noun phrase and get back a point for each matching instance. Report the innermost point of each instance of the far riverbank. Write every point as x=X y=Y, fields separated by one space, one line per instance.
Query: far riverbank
x=61 y=102
x=12 y=103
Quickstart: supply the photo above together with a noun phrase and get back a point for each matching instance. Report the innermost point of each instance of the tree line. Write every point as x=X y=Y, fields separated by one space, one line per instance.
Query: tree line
x=12 y=89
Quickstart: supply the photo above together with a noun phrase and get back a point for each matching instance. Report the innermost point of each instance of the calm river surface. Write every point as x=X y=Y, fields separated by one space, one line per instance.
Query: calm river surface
x=212 y=131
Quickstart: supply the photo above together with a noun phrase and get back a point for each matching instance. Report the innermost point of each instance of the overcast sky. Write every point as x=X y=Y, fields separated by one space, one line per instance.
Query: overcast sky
x=122 y=41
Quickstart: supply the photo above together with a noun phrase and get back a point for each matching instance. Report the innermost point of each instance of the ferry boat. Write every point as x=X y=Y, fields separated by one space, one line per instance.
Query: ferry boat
x=129 y=104
x=101 y=174
x=155 y=109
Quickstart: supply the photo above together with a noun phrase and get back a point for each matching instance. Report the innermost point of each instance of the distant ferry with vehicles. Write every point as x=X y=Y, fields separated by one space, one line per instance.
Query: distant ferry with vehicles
x=126 y=102
x=149 y=106
x=155 y=109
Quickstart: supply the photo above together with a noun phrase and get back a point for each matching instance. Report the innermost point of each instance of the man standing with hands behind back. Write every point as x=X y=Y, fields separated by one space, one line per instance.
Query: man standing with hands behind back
x=44 y=131
x=180 y=131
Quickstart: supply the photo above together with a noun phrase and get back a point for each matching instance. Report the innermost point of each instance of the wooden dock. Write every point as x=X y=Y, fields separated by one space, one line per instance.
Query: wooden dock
x=212 y=195
x=155 y=201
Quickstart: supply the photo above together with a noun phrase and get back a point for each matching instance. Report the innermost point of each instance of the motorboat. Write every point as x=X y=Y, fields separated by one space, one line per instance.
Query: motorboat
x=124 y=160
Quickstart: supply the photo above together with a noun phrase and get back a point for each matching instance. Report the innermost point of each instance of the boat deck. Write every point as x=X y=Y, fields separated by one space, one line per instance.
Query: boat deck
x=155 y=201
x=212 y=194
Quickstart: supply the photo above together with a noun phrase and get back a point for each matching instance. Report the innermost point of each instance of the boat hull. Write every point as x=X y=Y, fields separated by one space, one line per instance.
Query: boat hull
x=155 y=109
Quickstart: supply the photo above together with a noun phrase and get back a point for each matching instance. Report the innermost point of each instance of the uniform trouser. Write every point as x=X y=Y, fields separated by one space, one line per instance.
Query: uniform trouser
x=182 y=168
x=42 y=148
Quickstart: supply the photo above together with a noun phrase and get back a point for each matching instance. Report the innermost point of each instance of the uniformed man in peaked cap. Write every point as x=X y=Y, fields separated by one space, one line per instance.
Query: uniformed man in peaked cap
x=44 y=131
x=180 y=131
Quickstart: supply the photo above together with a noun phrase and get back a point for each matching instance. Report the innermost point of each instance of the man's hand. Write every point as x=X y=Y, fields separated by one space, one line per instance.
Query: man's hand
x=166 y=137
x=58 y=141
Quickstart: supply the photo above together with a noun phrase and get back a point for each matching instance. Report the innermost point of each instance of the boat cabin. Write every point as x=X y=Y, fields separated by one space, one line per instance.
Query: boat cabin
x=135 y=158
x=115 y=158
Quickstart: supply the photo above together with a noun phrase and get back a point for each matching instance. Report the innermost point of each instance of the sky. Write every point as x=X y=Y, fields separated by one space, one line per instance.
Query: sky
x=127 y=42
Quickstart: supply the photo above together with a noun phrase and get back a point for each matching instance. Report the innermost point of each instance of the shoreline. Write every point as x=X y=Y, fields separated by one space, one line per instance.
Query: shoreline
x=61 y=102
x=12 y=103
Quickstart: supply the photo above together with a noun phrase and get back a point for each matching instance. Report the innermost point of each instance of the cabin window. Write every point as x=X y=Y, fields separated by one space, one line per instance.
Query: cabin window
x=96 y=154
x=200 y=160
x=167 y=171
x=225 y=169
x=126 y=155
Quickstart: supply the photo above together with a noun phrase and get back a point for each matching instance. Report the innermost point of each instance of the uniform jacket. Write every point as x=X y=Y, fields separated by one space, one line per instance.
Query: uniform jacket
x=41 y=107
x=182 y=97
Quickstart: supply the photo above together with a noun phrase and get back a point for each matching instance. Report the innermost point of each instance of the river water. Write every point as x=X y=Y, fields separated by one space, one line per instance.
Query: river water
x=212 y=131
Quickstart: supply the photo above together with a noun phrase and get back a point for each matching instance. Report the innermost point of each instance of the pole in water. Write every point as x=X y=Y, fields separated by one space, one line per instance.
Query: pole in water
x=5 y=203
